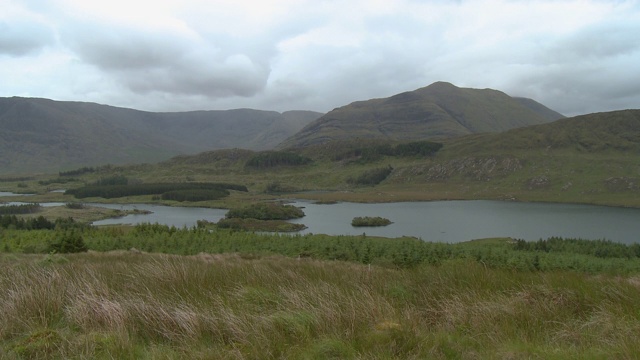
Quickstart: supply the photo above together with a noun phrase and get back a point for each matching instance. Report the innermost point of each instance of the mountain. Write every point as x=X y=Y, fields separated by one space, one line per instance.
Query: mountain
x=614 y=131
x=41 y=135
x=440 y=110
x=590 y=158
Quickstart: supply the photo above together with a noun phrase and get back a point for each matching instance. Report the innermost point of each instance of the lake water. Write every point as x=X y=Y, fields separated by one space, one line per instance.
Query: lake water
x=7 y=193
x=167 y=215
x=455 y=221
x=438 y=221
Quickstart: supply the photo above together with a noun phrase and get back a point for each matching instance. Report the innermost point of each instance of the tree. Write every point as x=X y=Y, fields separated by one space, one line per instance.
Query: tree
x=68 y=242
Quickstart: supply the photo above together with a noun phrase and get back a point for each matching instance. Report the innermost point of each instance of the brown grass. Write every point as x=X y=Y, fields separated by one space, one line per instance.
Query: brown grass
x=130 y=305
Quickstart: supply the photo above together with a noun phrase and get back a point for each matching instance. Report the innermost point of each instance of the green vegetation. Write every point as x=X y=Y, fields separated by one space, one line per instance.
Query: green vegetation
x=67 y=242
x=60 y=180
x=253 y=304
x=371 y=177
x=12 y=222
x=597 y=248
x=266 y=211
x=74 y=205
x=590 y=159
x=259 y=225
x=569 y=254
x=169 y=191
x=371 y=153
x=440 y=110
x=195 y=194
x=342 y=296
x=267 y=217
x=269 y=159
x=370 y=221
x=19 y=209
x=77 y=172
x=112 y=180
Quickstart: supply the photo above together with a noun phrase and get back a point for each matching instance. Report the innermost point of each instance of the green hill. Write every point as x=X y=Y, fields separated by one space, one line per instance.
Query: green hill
x=440 y=110
x=41 y=135
x=592 y=133
x=586 y=159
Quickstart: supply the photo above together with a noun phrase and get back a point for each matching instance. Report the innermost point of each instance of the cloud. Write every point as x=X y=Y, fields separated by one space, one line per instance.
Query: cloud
x=575 y=56
x=22 y=37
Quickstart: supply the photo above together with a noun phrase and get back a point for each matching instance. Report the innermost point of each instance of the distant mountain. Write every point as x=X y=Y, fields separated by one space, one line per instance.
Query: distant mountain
x=440 y=110
x=41 y=135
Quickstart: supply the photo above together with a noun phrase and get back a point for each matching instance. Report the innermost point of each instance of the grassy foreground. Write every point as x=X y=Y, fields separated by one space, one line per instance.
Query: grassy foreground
x=127 y=305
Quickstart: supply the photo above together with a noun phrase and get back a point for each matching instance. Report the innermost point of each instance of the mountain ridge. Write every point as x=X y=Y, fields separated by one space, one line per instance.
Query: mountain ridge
x=440 y=110
x=43 y=135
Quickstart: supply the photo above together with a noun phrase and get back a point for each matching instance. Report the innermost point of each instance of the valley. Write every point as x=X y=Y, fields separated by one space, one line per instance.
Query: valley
x=237 y=289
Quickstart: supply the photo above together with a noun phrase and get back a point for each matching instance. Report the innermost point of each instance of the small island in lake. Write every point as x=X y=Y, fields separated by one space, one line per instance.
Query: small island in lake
x=370 y=221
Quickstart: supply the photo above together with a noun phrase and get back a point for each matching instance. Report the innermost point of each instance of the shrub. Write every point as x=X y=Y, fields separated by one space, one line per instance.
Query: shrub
x=114 y=191
x=372 y=177
x=68 y=242
x=76 y=206
x=195 y=195
x=77 y=172
x=20 y=209
x=376 y=152
x=276 y=187
x=266 y=211
x=370 y=221
x=259 y=225
x=269 y=159
x=113 y=180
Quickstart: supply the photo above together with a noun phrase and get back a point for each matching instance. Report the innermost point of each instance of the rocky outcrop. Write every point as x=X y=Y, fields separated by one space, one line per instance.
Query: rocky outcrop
x=620 y=184
x=475 y=168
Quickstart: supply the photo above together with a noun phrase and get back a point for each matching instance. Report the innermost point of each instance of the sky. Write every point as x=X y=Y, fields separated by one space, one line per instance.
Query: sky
x=575 y=57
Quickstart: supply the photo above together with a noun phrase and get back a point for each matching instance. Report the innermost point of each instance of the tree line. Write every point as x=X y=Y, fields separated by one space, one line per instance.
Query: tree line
x=376 y=152
x=268 y=159
x=173 y=191
x=19 y=209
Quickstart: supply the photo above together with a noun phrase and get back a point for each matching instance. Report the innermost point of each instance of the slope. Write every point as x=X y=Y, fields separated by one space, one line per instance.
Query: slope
x=41 y=135
x=440 y=110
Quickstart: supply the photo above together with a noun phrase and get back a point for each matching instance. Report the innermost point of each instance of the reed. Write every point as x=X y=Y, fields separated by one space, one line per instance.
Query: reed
x=133 y=305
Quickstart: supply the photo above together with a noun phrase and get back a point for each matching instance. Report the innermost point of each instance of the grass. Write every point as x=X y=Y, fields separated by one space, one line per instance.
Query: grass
x=128 y=305
x=86 y=214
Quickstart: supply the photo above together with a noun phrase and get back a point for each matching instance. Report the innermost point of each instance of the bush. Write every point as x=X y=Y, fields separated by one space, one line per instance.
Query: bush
x=113 y=180
x=76 y=206
x=266 y=211
x=259 y=225
x=370 y=221
x=20 y=209
x=278 y=188
x=372 y=177
x=115 y=191
x=77 y=172
x=376 y=152
x=67 y=242
x=195 y=195
x=269 y=159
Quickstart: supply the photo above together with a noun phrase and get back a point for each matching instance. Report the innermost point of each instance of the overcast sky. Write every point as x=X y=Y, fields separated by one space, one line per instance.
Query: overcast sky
x=574 y=56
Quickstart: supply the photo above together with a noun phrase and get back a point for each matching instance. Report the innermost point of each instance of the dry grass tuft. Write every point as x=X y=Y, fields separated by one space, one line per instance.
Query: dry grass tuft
x=124 y=305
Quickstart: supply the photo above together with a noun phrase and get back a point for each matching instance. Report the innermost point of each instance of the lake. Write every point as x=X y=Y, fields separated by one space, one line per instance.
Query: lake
x=438 y=221
x=8 y=193
x=455 y=221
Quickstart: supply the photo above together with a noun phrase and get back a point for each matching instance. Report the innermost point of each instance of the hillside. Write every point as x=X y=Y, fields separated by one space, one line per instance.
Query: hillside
x=41 y=135
x=591 y=133
x=440 y=110
x=586 y=159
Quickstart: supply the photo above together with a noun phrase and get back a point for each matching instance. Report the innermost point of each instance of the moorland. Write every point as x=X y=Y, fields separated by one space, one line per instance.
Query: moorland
x=153 y=291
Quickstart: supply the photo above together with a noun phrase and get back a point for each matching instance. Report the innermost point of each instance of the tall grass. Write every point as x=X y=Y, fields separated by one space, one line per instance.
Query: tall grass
x=128 y=305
